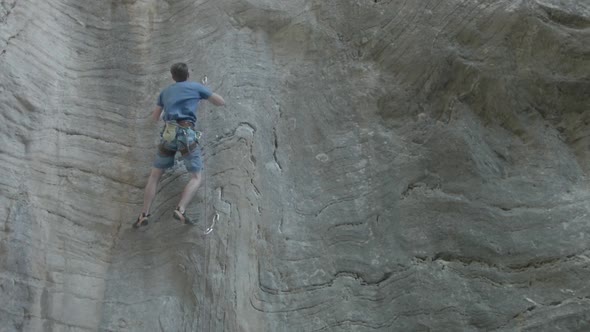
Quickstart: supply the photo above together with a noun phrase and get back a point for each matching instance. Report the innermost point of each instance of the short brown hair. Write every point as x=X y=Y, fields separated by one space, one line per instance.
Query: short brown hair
x=179 y=72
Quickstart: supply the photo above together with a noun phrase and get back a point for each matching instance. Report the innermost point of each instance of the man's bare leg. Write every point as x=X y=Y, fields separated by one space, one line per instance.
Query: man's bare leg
x=189 y=191
x=148 y=197
x=150 y=189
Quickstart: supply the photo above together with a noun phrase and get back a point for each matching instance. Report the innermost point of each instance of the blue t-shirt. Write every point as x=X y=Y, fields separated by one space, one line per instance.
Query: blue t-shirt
x=181 y=100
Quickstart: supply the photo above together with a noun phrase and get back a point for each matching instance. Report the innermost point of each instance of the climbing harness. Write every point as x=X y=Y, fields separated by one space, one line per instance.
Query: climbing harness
x=169 y=133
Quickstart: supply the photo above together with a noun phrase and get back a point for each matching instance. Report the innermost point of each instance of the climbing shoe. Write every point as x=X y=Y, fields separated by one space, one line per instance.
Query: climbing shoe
x=142 y=220
x=181 y=215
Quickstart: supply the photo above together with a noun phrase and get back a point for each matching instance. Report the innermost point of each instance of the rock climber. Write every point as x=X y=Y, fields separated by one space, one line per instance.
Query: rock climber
x=179 y=102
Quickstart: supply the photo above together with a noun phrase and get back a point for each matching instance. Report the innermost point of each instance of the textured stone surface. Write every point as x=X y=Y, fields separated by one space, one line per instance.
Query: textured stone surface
x=381 y=165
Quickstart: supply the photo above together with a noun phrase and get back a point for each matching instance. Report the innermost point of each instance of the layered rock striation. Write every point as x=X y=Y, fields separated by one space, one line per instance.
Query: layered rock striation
x=381 y=165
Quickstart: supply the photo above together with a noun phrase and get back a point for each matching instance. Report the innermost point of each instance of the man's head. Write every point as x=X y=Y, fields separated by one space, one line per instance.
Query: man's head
x=179 y=72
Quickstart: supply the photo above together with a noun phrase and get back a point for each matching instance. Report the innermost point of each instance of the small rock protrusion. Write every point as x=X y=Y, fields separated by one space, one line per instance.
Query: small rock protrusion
x=322 y=157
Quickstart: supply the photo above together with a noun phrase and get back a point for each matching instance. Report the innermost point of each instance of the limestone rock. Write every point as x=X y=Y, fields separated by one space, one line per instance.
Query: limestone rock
x=381 y=165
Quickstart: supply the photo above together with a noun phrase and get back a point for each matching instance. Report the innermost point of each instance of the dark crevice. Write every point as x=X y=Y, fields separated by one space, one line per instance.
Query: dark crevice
x=467 y=260
x=256 y=190
x=70 y=132
x=565 y=19
x=363 y=281
x=532 y=308
x=16 y=35
x=247 y=124
x=276 y=147
x=91 y=173
x=535 y=264
x=8 y=10
x=302 y=289
x=425 y=182
x=448 y=257
x=349 y=224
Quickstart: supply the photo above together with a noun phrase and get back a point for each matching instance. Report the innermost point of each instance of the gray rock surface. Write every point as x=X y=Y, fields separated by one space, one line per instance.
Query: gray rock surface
x=381 y=165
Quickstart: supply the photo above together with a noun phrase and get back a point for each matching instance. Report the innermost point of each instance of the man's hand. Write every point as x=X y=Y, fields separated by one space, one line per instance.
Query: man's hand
x=156 y=113
x=214 y=99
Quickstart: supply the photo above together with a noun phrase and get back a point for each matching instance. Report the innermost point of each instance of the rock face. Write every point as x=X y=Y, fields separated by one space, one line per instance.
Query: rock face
x=381 y=165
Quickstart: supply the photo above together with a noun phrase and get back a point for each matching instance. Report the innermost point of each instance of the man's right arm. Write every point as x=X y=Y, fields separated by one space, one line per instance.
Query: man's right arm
x=216 y=100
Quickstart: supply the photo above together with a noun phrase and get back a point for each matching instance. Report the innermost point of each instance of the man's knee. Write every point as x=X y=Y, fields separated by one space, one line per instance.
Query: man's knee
x=196 y=175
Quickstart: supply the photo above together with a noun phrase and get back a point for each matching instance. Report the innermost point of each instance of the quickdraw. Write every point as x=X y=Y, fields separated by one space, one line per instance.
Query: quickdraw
x=210 y=228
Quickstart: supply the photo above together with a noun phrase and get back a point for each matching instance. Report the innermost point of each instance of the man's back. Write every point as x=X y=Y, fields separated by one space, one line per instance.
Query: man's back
x=180 y=100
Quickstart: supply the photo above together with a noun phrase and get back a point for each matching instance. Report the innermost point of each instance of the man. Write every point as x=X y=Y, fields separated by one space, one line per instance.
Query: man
x=179 y=102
